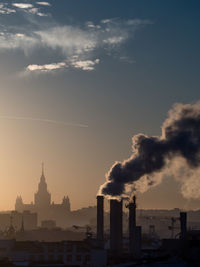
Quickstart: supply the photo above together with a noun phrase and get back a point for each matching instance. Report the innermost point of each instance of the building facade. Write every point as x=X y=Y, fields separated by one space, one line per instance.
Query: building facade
x=69 y=253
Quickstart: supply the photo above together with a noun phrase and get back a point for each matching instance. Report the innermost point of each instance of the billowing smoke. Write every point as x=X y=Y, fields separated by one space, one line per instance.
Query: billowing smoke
x=176 y=152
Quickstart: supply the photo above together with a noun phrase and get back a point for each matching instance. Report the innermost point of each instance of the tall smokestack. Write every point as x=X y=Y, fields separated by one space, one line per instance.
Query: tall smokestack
x=132 y=225
x=116 y=232
x=183 y=222
x=100 y=217
x=138 y=242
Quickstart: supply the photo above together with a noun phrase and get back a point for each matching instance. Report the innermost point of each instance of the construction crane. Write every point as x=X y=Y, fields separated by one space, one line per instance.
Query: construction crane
x=87 y=228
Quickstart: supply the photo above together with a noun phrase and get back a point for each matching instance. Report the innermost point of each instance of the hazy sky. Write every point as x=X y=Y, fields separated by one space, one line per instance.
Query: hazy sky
x=78 y=79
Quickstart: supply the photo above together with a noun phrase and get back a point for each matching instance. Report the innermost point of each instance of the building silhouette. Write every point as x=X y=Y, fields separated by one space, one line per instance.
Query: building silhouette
x=43 y=206
x=65 y=253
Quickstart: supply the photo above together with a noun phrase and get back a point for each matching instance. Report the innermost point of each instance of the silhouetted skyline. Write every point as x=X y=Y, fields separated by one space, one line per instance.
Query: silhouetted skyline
x=79 y=79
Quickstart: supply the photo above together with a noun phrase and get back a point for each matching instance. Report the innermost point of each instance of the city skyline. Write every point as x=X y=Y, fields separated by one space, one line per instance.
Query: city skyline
x=79 y=79
x=159 y=189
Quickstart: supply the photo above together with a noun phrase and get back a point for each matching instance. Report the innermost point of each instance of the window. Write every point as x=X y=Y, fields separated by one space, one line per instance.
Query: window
x=69 y=247
x=60 y=257
x=51 y=249
x=69 y=257
x=60 y=249
x=78 y=257
x=51 y=257
x=41 y=257
x=87 y=258
x=32 y=257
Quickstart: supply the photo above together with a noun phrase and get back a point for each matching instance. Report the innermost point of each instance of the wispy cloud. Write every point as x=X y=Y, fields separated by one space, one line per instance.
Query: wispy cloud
x=30 y=8
x=4 y=9
x=45 y=121
x=37 y=12
x=46 y=67
x=18 y=40
x=84 y=64
x=88 y=65
x=70 y=39
x=78 y=45
x=43 y=3
x=81 y=46
x=114 y=40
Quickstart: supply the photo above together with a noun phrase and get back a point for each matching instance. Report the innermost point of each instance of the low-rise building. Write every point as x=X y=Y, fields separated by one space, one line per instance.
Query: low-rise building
x=70 y=253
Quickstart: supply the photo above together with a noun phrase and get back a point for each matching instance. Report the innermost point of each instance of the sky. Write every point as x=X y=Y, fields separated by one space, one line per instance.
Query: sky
x=79 y=79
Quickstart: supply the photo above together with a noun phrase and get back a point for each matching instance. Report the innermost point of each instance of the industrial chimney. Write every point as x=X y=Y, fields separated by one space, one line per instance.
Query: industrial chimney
x=100 y=218
x=132 y=225
x=135 y=232
x=183 y=222
x=138 y=242
x=116 y=232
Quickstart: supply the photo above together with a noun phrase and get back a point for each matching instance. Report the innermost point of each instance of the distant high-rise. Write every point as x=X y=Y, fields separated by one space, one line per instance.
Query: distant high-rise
x=42 y=197
x=43 y=205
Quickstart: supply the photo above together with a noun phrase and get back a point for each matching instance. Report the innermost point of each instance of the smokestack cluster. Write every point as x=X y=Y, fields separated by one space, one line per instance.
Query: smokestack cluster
x=116 y=232
x=116 y=227
x=180 y=139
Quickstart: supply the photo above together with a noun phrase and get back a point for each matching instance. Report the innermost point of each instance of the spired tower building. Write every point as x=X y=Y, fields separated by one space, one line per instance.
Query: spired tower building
x=42 y=196
x=46 y=209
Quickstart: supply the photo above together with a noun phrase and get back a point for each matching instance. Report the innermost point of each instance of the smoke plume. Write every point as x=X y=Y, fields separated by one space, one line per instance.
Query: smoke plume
x=176 y=152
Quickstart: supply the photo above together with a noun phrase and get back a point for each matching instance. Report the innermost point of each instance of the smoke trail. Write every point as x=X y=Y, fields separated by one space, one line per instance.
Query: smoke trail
x=176 y=152
x=45 y=120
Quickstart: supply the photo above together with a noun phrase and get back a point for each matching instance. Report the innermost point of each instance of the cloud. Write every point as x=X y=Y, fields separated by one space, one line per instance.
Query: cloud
x=105 y=21
x=5 y=10
x=138 y=22
x=126 y=59
x=18 y=40
x=88 y=65
x=70 y=39
x=74 y=40
x=78 y=45
x=22 y=5
x=43 y=3
x=46 y=67
x=30 y=8
x=114 y=40
x=36 y=11
x=90 y=24
x=85 y=64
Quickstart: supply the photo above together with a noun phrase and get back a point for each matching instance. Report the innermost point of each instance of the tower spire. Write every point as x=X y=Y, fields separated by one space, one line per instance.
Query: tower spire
x=42 y=196
x=42 y=168
x=42 y=178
